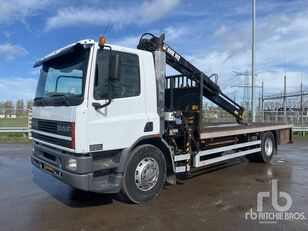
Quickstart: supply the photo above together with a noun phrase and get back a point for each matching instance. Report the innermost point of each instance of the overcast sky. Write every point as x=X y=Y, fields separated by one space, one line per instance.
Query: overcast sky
x=214 y=35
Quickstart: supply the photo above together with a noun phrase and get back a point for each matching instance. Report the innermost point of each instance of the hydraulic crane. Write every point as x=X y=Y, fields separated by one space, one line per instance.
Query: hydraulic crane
x=210 y=89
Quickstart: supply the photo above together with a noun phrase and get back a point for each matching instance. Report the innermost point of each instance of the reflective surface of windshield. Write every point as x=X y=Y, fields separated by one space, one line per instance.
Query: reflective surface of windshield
x=62 y=79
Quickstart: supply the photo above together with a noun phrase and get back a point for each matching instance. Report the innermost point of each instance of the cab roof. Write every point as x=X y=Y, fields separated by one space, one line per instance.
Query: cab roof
x=62 y=51
x=89 y=42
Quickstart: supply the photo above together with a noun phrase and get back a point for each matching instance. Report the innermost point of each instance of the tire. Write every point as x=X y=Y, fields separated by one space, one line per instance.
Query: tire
x=146 y=161
x=268 y=149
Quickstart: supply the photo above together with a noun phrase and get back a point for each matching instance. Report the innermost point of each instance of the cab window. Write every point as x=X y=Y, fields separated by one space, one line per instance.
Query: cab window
x=129 y=83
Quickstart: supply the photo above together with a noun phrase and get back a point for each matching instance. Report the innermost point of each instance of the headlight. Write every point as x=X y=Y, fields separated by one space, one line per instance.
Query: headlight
x=72 y=164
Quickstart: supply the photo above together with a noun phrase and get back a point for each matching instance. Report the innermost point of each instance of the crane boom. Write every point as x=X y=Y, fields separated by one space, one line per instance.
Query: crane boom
x=210 y=89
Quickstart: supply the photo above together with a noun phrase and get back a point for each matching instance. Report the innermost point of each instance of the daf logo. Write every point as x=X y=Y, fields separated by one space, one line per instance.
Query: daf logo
x=63 y=128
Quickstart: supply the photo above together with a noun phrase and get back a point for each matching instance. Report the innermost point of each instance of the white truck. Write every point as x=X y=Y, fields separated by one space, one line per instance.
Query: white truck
x=107 y=119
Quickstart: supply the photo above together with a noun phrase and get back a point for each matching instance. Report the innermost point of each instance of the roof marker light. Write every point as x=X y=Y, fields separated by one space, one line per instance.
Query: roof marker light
x=101 y=41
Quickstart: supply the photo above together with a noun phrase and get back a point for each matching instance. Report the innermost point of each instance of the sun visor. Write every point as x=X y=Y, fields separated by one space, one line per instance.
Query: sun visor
x=56 y=54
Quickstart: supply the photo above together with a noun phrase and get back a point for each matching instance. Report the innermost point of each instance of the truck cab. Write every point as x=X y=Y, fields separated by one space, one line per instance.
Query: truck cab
x=72 y=138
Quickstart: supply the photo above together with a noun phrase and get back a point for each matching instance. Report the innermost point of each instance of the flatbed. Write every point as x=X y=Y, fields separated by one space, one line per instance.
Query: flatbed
x=216 y=130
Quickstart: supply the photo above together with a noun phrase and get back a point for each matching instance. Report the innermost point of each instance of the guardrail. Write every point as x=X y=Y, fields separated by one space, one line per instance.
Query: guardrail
x=23 y=130
x=14 y=130
x=300 y=129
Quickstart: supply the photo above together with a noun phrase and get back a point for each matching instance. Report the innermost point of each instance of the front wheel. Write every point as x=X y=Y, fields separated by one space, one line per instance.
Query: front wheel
x=145 y=174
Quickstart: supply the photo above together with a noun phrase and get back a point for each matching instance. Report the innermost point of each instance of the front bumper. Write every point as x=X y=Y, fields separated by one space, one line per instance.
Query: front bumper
x=92 y=174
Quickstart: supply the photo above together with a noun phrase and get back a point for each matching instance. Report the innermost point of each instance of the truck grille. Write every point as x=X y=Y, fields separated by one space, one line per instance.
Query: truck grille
x=47 y=138
x=52 y=128
x=55 y=127
x=47 y=126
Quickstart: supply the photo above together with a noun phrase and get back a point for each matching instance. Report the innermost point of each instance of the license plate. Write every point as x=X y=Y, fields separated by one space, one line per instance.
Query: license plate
x=48 y=168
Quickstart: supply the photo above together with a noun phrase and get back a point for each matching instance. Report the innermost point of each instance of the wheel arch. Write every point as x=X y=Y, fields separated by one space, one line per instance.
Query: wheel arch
x=158 y=142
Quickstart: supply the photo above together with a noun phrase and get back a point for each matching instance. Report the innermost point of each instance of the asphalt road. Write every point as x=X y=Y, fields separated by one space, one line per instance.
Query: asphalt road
x=217 y=198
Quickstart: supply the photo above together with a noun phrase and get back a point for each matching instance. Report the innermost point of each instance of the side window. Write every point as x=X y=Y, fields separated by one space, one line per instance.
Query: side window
x=129 y=83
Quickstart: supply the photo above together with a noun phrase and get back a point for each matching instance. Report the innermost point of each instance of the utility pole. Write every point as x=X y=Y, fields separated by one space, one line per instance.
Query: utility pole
x=234 y=99
x=302 y=102
x=253 y=109
x=285 y=96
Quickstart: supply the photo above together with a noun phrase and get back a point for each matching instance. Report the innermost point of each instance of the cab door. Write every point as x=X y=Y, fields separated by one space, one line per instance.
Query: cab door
x=122 y=122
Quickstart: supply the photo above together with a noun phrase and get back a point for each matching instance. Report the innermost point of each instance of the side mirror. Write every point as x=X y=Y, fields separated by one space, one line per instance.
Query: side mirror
x=115 y=67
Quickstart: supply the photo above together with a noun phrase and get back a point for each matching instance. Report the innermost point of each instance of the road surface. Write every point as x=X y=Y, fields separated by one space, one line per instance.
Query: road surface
x=214 y=199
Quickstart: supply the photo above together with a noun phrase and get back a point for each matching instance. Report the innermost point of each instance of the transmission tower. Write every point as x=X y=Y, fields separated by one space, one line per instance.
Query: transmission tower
x=246 y=88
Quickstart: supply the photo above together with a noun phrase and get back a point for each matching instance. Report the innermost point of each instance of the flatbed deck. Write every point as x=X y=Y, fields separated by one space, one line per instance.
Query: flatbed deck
x=230 y=129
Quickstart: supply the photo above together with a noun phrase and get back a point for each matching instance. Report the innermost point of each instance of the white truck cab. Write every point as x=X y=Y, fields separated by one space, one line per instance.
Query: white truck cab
x=84 y=82
x=77 y=142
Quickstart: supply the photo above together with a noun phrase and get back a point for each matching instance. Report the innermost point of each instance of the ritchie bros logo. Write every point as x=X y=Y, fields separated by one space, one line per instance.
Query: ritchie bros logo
x=281 y=210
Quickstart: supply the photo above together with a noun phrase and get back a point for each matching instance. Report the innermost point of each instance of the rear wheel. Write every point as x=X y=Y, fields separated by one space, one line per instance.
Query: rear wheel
x=268 y=149
x=145 y=174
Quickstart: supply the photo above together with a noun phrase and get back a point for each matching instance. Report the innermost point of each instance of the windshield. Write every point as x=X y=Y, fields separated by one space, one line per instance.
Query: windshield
x=62 y=79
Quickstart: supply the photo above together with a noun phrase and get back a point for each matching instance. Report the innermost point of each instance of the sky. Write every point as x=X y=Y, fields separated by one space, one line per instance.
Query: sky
x=214 y=35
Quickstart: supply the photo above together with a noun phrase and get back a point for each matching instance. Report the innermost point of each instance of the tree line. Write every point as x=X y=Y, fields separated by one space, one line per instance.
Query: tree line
x=20 y=107
x=20 y=104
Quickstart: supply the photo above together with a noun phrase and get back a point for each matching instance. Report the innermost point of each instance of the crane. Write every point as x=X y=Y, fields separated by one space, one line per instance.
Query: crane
x=211 y=89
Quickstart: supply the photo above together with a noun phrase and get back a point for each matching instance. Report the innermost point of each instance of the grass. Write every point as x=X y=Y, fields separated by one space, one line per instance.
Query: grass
x=18 y=122
x=298 y=136
x=13 y=137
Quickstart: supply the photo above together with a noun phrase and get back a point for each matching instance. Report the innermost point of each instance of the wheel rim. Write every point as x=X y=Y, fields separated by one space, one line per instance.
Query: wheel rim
x=268 y=147
x=146 y=174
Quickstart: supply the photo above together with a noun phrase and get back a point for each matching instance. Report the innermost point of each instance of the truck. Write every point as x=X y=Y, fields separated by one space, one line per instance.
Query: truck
x=107 y=119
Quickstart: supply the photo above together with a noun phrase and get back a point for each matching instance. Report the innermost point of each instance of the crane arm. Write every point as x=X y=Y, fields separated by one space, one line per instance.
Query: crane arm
x=210 y=89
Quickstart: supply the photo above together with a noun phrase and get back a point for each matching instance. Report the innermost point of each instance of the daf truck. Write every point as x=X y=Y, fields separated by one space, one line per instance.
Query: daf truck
x=107 y=119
